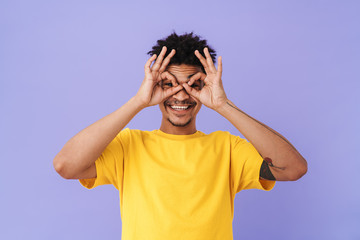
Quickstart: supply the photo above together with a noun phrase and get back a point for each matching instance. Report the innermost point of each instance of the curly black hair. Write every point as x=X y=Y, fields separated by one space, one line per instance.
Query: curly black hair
x=185 y=46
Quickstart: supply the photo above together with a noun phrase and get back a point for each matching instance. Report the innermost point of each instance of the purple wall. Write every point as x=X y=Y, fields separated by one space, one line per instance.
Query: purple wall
x=294 y=65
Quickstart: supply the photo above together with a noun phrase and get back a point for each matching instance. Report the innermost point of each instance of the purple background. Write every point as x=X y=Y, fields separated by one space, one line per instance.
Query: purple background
x=293 y=65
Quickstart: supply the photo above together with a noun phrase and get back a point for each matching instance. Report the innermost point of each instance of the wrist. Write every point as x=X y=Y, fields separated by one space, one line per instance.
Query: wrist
x=221 y=107
x=138 y=103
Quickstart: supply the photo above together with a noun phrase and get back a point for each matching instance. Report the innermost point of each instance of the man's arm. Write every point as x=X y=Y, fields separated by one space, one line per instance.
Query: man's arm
x=76 y=160
x=280 y=156
x=281 y=160
x=81 y=151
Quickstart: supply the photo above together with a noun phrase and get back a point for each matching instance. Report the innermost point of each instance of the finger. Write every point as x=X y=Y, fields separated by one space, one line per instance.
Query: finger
x=148 y=63
x=167 y=76
x=193 y=92
x=172 y=91
x=202 y=60
x=219 y=70
x=209 y=60
x=158 y=61
x=219 y=65
x=198 y=76
x=167 y=60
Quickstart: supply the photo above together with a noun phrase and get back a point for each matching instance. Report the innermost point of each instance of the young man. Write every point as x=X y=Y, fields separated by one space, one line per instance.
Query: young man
x=177 y=182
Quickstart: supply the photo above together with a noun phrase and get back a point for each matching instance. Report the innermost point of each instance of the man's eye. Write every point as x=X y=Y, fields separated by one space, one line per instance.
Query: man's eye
x=198 y=85
x=167 y=85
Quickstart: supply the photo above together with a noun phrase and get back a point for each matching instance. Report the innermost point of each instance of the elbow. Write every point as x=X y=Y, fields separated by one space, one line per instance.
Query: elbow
x=60 y=167
x=299 y=172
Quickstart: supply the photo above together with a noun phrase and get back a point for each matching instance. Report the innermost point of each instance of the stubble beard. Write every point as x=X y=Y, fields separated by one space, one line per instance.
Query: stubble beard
x=167 y=103
x=180 y=124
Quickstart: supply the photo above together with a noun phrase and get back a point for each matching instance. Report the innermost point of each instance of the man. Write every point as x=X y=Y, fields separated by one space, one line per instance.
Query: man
x=177 y=182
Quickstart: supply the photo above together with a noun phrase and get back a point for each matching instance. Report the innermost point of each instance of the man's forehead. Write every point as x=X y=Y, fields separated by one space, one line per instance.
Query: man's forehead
x=183 y=70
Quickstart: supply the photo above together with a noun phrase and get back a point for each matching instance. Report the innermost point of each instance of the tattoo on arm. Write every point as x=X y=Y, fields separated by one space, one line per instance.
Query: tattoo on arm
x=265 y=172
x=264 y=126
x=270 y=163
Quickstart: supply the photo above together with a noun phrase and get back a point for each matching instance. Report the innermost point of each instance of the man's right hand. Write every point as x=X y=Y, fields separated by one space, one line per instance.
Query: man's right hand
x=76 y=160
x=151 y=92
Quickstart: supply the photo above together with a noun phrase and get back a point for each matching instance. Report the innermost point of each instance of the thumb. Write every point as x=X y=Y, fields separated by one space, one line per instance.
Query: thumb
x=193 y=92
x=172 y=91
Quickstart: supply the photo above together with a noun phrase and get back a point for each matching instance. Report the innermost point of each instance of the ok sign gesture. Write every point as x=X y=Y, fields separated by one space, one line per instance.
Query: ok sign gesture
x=150 y=92
x=212 y=94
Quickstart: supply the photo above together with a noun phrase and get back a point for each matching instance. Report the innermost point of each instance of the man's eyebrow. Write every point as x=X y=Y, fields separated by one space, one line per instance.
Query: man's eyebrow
x=187 y=76
x=191 y=75
x=172 y=74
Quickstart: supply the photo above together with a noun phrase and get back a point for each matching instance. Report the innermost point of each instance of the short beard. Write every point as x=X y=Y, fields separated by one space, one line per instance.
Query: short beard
x=179 y=125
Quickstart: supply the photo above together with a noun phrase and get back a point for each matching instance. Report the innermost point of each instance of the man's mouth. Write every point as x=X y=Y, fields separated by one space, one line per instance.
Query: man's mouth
x=180 y=107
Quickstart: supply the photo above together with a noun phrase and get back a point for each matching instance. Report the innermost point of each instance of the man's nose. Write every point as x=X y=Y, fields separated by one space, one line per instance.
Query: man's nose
x=181 y=95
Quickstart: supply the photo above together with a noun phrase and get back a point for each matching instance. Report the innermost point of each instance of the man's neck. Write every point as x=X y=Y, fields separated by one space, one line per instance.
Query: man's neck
x=167 y=127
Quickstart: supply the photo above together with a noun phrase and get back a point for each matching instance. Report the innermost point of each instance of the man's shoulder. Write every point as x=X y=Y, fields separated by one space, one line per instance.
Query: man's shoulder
x=217 y=136
x=127 y=132
x=226 y=136
x=220 y=133
x=127 y=135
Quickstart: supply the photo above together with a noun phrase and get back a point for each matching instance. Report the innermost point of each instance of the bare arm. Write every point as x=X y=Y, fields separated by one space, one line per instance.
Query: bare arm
x=81 y=151
x=281 y=160
x=280 y=156
x=77 y=158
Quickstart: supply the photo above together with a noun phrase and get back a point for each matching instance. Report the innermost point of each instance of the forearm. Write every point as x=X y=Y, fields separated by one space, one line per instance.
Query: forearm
x=288 y=164
x=85 y=147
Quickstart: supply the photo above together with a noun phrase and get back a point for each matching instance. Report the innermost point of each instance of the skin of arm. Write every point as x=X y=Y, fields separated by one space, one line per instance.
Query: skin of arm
x=280 y=156
x=285 y=162
x=76 y=160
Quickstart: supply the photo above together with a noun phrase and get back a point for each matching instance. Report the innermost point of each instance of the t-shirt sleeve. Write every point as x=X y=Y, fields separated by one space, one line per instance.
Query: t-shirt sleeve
x=109 y=166
x=245 y=166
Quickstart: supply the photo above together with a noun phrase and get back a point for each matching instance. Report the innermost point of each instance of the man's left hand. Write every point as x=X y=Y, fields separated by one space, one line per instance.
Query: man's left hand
x=212 y=94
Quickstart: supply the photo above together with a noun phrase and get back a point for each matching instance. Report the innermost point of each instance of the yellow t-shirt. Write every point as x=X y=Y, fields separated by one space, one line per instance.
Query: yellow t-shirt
x=178 y=186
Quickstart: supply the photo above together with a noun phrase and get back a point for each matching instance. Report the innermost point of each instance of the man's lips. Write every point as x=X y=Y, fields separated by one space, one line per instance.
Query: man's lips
x=180 y=108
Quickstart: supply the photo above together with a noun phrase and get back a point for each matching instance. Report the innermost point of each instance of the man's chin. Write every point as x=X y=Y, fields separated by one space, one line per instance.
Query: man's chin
x=179 y=124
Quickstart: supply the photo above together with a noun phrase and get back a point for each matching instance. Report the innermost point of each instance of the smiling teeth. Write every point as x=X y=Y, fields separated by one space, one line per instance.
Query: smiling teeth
x=179 y=107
